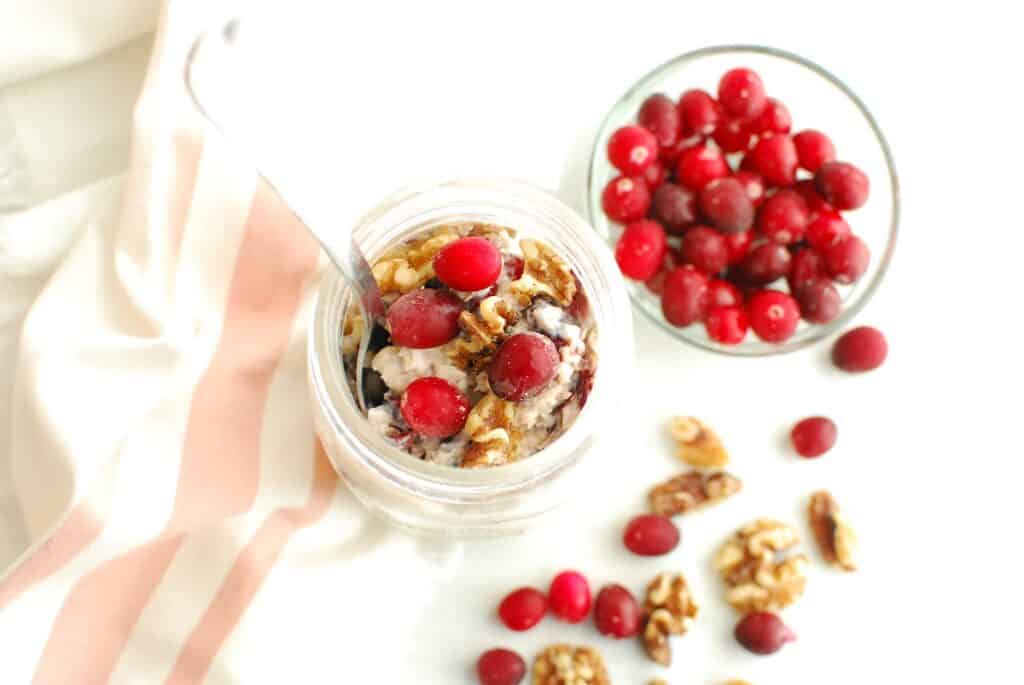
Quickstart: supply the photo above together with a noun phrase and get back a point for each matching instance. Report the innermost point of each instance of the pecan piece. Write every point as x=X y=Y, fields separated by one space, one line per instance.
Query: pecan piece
x=492 y=437
x=545 y=272
x=570 y=665
x=757 y=574
x=691 y=490
x=832 y=531
x=669 y=609
x=697 y=444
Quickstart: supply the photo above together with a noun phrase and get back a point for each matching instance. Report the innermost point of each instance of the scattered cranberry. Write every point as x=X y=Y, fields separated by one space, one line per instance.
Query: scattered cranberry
x=522 y=609
x=819 y=300
x=626 y=199
x=775 y=159
x=675 y=207
x=656 y=283
x=827 y=229
x=809 y=192
x=860 y=349
x=813 y=148
x=738 y=245
x=424 y=318
x=753 y=184
x=774 y=119
x=783 y=217
x=660 y=116
x=670 y=155
x=705 y=248
x=650 y=535
x=699 y=113
x=699 y=165
x=616 y=612
x=522 y=366
x=741 y=93
x=847 y=260
x=655 y=174
x=806 y=265
x=641 y=249
x=773 y=315
x=733 y=135
x=500 y=667
x=763 y=633
x=814 y=436
x=722 y=293
x=726 y=325
x=569 y=596
x=727 y=206
x=842 y=184
x=468 y=264
x=684 y=299
x=631 y=149
x=766 y=263
x=434 y=408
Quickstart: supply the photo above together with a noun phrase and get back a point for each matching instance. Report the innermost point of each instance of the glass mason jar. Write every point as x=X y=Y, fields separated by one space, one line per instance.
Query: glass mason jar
x=442 y=500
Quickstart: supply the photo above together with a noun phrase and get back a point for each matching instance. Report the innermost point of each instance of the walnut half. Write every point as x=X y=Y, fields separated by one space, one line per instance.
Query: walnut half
x=697 y=444
x=832 y=531
x=755 y=569
x=569 y=665
x=489 y=427
x=691 y=490
x=545 y=272
x=669 y=609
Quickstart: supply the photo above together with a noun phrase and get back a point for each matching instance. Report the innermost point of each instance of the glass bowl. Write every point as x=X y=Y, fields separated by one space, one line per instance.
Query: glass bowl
x=816 y=99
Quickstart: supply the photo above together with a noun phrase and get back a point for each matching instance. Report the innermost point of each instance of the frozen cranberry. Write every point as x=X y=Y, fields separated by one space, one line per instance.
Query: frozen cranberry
x=434 y=408
x=626 y=199
x=424 y=318
x=656 y=283
x=773 y=315
x=468 y=264
x=704 y=247
x=724 y=201
x=815 y=202
x=813 y=148
x=860 y=349
x=783 y=217
x=847 y=260
x=641 y=249
x=773 y=119
x=726 y=325
x=763 y=633
x=699 y=165
x=674 y=207
x=569 y=596
x=843 y=185
x=775 y=159
x=733 y=134
x=741 y=93
x=818 y=299
x=766 y=263
x=684 y=299
x=500 y=667
x=827 y=229
x=722 y=293
x=738 y=245
x=698 y=112
x=670 y=155
x=753 y=184
x=631 y=149
x=650 y=535
x=806 y=265
x=616 y=612
x=814 y=436
x=522 y=366
x=514 y=267
x=660 y=116
x=522 y=609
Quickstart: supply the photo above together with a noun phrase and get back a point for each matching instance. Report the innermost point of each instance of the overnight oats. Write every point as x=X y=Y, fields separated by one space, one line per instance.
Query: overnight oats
x=487 y=351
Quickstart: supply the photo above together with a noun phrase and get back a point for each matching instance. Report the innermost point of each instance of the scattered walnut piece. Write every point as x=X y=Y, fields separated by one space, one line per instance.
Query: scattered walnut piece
x=570 y=665
x=483 y=331
x=411 y=264
x=670 y=609
x=489 y=427
x=691 y=490
x=697 y=444
x=757 y=575
x=544 y=273
x=832 y=531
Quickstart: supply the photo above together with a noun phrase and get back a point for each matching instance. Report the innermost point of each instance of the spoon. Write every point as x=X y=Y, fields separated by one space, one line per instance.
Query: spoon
x=213 y=77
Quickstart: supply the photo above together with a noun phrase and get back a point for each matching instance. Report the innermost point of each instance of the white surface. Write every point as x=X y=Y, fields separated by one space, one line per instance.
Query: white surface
x=927 y=464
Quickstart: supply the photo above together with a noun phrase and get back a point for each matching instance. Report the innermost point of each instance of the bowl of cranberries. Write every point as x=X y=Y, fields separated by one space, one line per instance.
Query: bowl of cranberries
x=750 y=197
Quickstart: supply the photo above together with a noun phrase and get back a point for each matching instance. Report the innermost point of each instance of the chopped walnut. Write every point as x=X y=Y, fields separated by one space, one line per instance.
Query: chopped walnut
x=691 y=490
x=697 y=444
x=411 y=264
x=489 y=427
x=352 y=331
x=670 y=609
x=544 y=273
x=491 y=231
x=832 y=531
x=483 y=333
x=569 y=665
x=757 y=575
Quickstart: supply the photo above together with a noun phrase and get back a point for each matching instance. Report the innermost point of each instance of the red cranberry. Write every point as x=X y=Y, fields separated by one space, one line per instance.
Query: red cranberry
x=727 y=206
x=675 y=207
x=569 y=596
x=775 y=159
x=654 y=175
x=523 y=608
x=843 y=185
x=698 y=112
x=733 y=134
x=704 y=247
x=783 y=217
x=700 y=165
x=650 y=535
x=753 y=184
x=424 y=318
x=641 y=249
x=773 y=315
x=847 y=260
x=434 y=408
x=806 y=265
x=656 y=283
x=774 y=119
x=626 y=199
x=827 y=229
x=738 y=245
x=722 y=293
x=684 y=299
x=766 y=263
x=763 y=633
x=468 y=264
x=616 y=612
x=660 y=116
x=741 y=93
x=814 y=436
x=726 y=325
x=500 y=667
x=813 y=148
x=631 y=149
x=819 y=300
x=809 y=192
x=670 y=155
x=522 y=366
x=860 y=349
